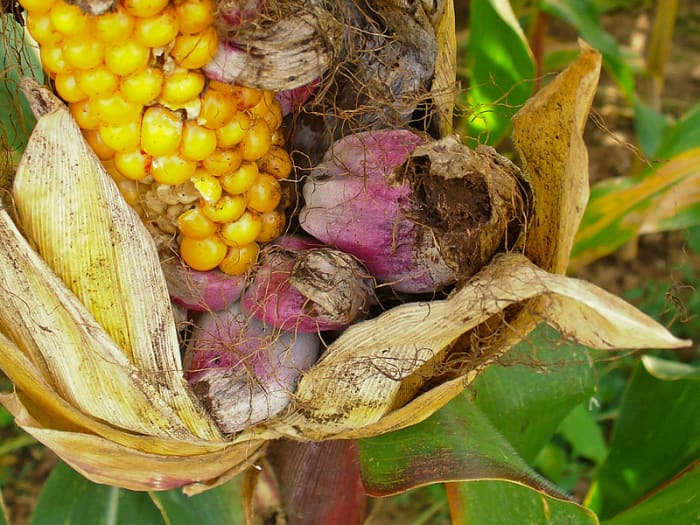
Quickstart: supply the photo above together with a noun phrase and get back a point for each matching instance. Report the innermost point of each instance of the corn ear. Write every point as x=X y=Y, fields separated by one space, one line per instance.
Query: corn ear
x=85 y=231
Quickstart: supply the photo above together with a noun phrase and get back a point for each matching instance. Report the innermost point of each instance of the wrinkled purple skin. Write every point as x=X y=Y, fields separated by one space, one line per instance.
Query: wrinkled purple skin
x=350 y=206
x=233 y=13
x=201 y=291
x=245 y=372
x=292 y=99
x=273 y=299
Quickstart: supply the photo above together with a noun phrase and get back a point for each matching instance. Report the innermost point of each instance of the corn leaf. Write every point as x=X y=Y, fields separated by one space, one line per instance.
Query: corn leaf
x=655 y=439
x=501 y=71
x=443 y=86
x=505 y=503
x=89 y=236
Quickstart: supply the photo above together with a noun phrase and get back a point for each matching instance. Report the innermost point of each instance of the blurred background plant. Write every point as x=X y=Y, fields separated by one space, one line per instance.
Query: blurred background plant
x=617 y=432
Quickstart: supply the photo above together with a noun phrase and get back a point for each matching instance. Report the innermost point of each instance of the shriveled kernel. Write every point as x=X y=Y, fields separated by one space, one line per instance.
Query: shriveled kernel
x=198 y=142
x=42 y=30
x=273 y=224
x=234 y=131
x=228 y=208
x=84 y=114
x=194 y=15
x=172 y=169
x=223 y=161
x=53 y=60
x=113 y=26
x=121 y=137
x=67 y=87
x=257 y=141
x=269 y=109
x=142 y=86
x=276 y=162
x=195 y=225
x=246 y=97
x=97 y=81
x=207 y=185
x=113 y=109
x=82 y=52
x=196 y=50
x=182 y=85
x=68 y=19
x=134 y=165
x=124 y=58
x=217 y=108
x=239 y=259
x=240 y=180
x=203 y=254
x=157 y=30
x=94 y=139
x=161 y=130
x=265 y=194
x=243 y=230
x=144 y=8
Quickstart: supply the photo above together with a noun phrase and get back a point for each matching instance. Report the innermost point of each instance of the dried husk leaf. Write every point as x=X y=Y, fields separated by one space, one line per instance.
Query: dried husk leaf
x=85 y=231
x=443 y=86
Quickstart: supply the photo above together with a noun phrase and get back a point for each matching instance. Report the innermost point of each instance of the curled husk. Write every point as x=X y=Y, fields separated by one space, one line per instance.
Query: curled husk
x=244 y=371
x=308 y=289
x=420 y=215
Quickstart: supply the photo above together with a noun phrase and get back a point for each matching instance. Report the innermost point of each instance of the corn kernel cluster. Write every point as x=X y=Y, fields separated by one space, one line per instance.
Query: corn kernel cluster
x=199 y=159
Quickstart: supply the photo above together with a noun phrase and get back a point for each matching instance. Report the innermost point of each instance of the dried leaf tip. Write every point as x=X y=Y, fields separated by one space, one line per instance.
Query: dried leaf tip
x=41 y=100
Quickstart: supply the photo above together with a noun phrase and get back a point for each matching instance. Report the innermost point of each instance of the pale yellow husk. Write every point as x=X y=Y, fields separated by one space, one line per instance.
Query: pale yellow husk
x=96 y=366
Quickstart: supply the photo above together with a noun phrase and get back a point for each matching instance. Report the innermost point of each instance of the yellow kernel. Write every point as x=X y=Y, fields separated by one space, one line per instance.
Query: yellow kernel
x=198 y=142
x=195 y=50
x=157 y=30
x=220 y=86
x=228 y=208
x=134 y=164
x=53 y=60
x=257 y=141
x=172 y=169
x=240 y=180
x=126 y=57
x=113 y=26
x=245 y=97
x=233 y=132
x=36 y=6
x=161 y=130
x=121 y=137
x=181 y=86
x=203 y=254
x=265 y=193
x=194 y=16
x=195 y=225
x=144 y=8
x=269 y=109
x=239 y=259
x=42 y=30
x=276 y=162
x=113 y=109
x=67 y=88
x=223 y=161
x=97 y=81
x=273 y=223
x=68 y=19
x=142 y=86
x=207 y=185
x=102 y=150
x=84 y=114
x=243 y=230
x=82 y=52
x=217 y=109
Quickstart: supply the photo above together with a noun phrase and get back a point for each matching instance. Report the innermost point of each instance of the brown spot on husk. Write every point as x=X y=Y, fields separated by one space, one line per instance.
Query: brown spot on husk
x=473 y=202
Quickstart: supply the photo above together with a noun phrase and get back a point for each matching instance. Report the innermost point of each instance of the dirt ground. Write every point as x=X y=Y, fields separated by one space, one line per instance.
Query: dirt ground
x=653 y=257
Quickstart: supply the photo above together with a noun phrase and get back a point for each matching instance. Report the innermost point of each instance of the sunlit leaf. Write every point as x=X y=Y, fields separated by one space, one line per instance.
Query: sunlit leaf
x=674 y=503
x=456 y=443
x=504 y=503
x=682 y=136
x=67 y=498
x=656 y=436
x=500 y=68
x=584 y=434
x=670 y=370
x=540 y=382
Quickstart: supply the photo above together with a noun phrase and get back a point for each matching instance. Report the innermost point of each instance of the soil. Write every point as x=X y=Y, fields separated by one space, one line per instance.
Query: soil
x=610 y=140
